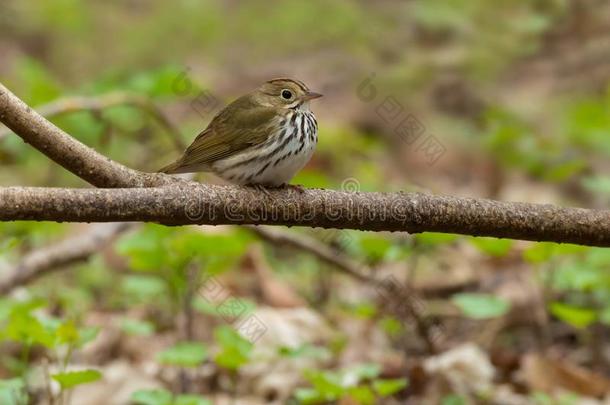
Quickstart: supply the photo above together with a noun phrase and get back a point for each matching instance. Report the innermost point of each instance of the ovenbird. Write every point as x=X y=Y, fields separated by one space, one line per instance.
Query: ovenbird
x=261 y=139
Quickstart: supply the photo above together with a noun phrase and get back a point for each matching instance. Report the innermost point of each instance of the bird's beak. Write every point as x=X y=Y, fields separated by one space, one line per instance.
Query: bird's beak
x=310 y=95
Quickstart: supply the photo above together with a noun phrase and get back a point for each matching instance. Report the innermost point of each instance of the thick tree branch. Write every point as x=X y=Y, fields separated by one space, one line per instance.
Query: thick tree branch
x=192 y=203
x=175 y=202
x=78 y=158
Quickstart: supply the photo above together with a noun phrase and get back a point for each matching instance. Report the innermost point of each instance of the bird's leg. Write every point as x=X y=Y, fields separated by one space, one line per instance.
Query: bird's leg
x=260 y=187
x=297 y=187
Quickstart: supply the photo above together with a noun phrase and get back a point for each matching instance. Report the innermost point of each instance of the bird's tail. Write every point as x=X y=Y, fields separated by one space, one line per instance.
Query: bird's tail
x=173 y=168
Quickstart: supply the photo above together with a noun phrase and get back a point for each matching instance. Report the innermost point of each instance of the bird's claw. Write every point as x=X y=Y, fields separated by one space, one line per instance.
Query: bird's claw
x=297 y=187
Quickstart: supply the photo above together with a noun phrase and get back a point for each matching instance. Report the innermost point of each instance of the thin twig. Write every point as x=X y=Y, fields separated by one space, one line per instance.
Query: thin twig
x=66 y=151
x=69 y=251
x=97 y=104
x=404 y=298
x=320 y=250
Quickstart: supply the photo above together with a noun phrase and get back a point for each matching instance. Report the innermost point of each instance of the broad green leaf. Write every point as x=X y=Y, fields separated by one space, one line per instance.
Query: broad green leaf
x=71 y=379
x=435 y=239
x=453 y=399
x=40 y=85
x=362 y=372
x=375 y=247
x=362 y=394
x=387 y=387
x=539 y=252
x=152 y=397
x=137 y=327
x=205 y=306
x=327 y=384
x=143 y=288
x=308 y=396
x=184 y=354
x=481 y=306
x=13 y=392
x=156 y=83
x=492 y=246
x=575 y=316
x=580 y=276
x=86 y=335
x=599 y=185
x=189 y=399
x=234 y=349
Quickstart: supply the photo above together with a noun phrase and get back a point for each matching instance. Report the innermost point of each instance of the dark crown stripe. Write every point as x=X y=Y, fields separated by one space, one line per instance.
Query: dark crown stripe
x=297 y=82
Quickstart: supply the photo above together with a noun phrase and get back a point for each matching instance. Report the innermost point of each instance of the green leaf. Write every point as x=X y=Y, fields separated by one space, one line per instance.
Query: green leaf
x=137 y=327
x=40 y=85
x=365 y=310
x=184 y=354
x=234 y=349
x=13 y=392
x=152 y=397
x=387 y=387
x=374 y=246
x=143 y=288
x=306 y=350
x=575 y=316
x=453 y=399
x=205 y=306
x=481 y=306
x=391 y=326
x=599 y=185
x=156 y=83
x=188 y=399
x=580 y=276
x=492 y=246
x=86 y=335
x=67 y=333
x=326 y=383
x=71 y=379
x=539 y=252
x=362 y=394
x=604 y=315
x=308 y=396
x=435 y=239
x=366 y=371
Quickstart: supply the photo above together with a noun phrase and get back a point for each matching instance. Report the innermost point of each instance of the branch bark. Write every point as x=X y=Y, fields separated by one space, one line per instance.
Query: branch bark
x=186 y=203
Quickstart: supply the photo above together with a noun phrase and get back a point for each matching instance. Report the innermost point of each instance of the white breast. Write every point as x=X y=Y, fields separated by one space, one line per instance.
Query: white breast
x=275 y=162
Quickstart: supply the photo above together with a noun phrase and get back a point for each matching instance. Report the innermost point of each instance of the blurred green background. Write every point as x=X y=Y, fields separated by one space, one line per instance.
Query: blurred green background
x=512 y=97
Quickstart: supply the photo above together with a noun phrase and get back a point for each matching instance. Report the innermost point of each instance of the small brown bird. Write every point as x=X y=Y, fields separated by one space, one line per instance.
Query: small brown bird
x=261 y=139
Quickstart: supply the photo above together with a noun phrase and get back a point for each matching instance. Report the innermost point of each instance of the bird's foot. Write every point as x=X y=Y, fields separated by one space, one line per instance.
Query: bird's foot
x=297 y=187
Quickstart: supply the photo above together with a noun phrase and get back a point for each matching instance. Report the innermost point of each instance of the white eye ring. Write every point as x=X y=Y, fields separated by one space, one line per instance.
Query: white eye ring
x=286 y=94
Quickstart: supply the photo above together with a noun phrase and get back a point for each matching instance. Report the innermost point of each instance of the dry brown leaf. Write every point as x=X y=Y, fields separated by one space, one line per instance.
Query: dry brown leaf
x=552 y=375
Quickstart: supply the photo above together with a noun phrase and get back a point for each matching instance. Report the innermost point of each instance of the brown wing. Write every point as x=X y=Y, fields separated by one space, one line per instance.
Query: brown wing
x=239 y=126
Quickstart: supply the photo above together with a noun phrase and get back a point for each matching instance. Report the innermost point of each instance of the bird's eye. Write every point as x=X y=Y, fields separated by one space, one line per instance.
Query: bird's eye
x=286 y=94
